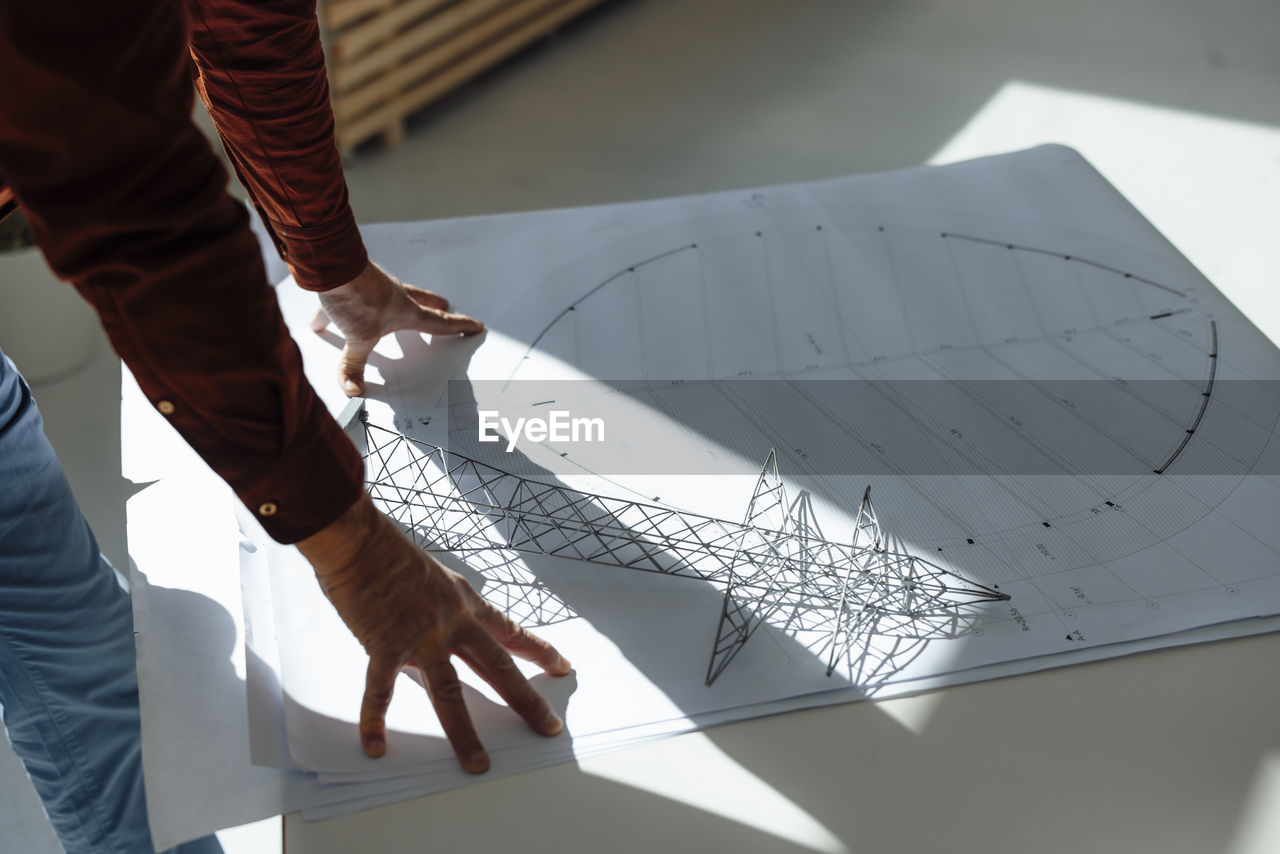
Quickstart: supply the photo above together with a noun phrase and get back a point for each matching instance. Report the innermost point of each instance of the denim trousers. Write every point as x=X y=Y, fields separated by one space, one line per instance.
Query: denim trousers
x=68 y=683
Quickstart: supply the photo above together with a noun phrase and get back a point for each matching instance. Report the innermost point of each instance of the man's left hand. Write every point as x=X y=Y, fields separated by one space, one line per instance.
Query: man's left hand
x=374 y=304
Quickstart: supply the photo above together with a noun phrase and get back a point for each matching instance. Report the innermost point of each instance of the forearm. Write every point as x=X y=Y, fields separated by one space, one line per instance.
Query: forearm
x=128 y=202
x=260 y=72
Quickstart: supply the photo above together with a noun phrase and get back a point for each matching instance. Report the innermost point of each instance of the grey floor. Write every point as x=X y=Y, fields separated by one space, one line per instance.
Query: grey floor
x=646 y=98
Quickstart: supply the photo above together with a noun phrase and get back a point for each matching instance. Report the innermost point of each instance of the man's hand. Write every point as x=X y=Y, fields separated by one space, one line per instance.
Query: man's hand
x=374 y=304
x=408 y=610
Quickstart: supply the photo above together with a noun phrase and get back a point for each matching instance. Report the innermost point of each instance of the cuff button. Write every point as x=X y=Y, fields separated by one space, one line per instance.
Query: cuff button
x=267 y=508
x=166 y=407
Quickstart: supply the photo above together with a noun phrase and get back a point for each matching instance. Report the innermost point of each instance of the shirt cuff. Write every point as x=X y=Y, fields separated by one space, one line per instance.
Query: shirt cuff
x=313 y=482
x=322 y=256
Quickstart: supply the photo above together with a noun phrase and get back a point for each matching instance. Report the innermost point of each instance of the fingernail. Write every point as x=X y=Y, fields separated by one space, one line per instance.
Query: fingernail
x=563 y=666
x=352 y=388
x=375 y=746
x=477 y=762
x=551 y=724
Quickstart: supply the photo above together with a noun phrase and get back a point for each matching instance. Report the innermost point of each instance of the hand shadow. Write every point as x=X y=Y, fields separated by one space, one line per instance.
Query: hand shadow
x=422 y=364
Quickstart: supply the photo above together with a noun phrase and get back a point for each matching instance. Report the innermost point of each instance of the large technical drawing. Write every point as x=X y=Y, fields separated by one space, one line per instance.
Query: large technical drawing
x=775 y=559
x=1064 y=429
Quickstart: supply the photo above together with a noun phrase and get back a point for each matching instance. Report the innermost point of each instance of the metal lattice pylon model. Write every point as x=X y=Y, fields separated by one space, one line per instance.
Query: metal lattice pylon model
x=776 y=558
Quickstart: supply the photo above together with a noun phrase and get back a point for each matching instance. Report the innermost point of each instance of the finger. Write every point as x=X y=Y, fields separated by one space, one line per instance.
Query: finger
x=320 y=321
x=436 y=322
x=515 y=638
x=427 y=298
x=379 y=682
x=445 y=692
x=355 y=353
x=487 y=658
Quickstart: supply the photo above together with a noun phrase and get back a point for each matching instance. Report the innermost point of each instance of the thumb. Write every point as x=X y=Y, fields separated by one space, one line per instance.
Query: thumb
x=355 y=354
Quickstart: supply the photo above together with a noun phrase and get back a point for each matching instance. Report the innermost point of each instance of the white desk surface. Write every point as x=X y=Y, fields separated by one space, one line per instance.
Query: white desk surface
x=1173 y=751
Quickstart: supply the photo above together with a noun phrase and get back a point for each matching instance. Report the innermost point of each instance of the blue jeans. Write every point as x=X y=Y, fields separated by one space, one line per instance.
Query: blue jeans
x=68 y=682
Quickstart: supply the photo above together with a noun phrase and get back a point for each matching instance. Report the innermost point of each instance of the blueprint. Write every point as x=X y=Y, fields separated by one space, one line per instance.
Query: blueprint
x=1042 y=396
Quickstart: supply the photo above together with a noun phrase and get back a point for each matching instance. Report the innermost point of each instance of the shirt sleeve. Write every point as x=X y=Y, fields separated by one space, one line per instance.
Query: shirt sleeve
x=128 y=202
x=260 y=72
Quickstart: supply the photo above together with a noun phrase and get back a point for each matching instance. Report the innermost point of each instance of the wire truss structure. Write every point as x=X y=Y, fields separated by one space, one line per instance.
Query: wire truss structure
x=775 y=562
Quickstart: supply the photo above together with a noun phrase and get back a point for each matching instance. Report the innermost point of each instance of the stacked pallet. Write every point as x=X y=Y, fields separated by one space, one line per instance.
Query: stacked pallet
x=389 y=58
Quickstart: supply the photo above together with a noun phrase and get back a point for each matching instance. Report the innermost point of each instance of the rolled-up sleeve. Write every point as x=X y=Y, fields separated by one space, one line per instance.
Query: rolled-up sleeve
x=129 y=203
x=260 y=71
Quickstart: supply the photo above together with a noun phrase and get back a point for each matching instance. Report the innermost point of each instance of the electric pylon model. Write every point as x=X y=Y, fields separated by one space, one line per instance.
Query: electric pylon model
x=775 y=560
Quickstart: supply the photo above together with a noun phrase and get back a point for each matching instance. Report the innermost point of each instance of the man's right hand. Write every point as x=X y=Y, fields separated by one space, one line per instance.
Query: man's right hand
x=409 y=610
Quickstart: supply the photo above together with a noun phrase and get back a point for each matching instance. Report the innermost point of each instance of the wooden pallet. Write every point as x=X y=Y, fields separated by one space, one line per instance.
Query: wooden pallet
x=390 y=58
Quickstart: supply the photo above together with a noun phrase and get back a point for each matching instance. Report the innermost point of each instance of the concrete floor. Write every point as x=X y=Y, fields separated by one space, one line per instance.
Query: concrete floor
x=646 y=98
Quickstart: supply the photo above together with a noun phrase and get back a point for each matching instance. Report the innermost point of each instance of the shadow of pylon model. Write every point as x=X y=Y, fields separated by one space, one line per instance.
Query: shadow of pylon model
x=775 y=559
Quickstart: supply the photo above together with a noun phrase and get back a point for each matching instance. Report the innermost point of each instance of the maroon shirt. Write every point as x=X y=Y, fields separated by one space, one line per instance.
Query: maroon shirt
x=128 y=202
